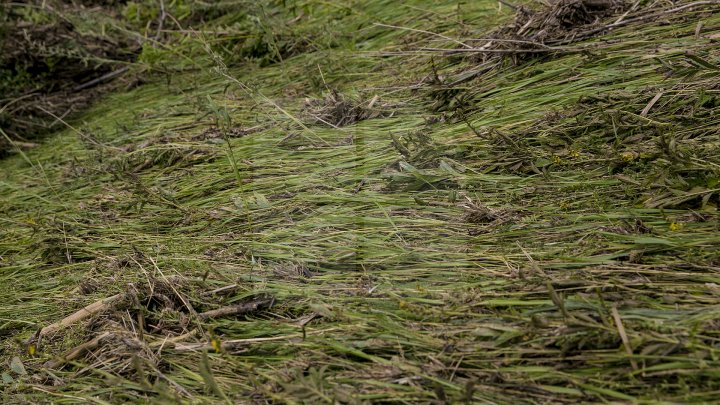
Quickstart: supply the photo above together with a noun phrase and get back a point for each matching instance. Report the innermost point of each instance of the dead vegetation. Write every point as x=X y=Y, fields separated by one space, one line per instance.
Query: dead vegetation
x=560 y=21
x=337 y=110
x=130 y=330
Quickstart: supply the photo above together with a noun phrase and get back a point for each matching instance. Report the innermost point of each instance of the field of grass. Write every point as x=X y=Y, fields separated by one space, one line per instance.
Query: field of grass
x=371 y=202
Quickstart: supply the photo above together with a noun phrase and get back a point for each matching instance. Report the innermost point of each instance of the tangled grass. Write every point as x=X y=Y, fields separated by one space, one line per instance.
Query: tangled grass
x=508 y=228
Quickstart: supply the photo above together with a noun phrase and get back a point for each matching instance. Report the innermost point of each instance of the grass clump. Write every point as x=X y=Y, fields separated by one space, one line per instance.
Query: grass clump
x=452 y=223
x=337 y=110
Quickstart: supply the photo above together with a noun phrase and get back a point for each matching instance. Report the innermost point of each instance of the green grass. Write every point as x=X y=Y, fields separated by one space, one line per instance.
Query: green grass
x=468 y=249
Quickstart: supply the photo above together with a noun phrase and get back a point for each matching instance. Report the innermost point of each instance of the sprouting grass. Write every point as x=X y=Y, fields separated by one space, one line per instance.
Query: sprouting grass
x=475 y=253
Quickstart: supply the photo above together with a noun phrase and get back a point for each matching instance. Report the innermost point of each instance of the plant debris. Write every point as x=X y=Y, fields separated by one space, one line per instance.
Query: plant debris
x=337 y=110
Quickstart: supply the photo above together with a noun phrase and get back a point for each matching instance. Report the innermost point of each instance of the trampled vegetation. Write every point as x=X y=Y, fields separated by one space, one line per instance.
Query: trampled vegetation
x=362 y=202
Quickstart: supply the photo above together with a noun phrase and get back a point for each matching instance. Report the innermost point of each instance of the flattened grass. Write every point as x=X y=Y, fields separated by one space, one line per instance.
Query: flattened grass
x=540 y=240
